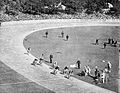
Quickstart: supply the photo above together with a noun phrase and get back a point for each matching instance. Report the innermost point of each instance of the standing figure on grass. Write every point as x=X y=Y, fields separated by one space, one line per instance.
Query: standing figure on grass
x=112 y=41
x=86 y=70
x=67 y=37
x=62 y=34
x=78 y=63
x=46 y=34
x=109 y=41
x=103 y=75
x=96 y=71
x=89 y=70
x=96 y=41
x=107 y=74
x=51 y=58
x=109 y=66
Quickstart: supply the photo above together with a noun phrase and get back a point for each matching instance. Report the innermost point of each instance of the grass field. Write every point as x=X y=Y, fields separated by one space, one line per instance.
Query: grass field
x=79 y=46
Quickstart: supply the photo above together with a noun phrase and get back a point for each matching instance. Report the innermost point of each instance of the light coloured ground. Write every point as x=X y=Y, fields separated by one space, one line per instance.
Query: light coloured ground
x=12 y=54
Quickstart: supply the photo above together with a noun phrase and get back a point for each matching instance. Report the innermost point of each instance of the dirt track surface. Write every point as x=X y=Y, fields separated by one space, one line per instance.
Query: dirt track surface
x=12 y=54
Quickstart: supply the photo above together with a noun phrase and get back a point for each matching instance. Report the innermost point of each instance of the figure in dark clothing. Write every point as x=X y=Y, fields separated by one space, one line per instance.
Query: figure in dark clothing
x=51 y=57
x=78 y=64
x=46 y=34
x=96 y=71
x=109 y=41
x=67 y=37
x=62 y=34
x=115 y=44
x=96 y=42
x=112 y=41
x=97 y=78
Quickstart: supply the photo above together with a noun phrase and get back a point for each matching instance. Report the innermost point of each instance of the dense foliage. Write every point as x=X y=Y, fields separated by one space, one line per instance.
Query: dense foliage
x=12 y=7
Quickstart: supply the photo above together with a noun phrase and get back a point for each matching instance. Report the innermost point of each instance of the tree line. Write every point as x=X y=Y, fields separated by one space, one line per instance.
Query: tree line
x=48 y=6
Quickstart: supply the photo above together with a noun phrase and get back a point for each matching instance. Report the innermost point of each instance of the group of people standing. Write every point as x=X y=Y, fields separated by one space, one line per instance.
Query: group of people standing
x=110 y=41
x=100 y=76
x=62 y=35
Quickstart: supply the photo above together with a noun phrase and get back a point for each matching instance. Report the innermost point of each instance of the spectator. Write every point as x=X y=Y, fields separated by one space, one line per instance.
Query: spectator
x=55 y=70
x=89 y=70
x=103 y=74
x=109 y=66
x=104 y=45
x=54 y=64
x=96 y=42
x=96 y=71
x=67 y=37
x=51 y=58
x=67 y=73
x=28 y=50
x=62 y=34
x=78 y=63
x=46 y=34
x=34 y=62
x=86 y=70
